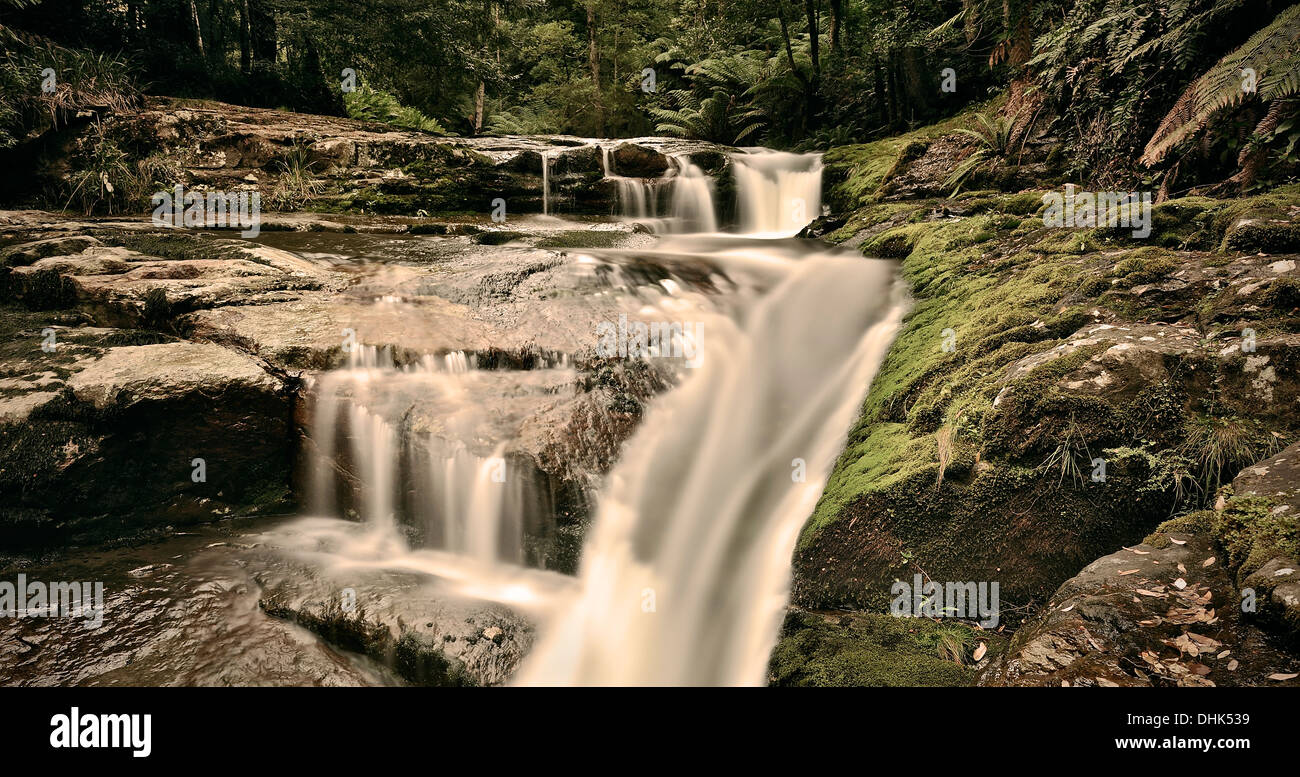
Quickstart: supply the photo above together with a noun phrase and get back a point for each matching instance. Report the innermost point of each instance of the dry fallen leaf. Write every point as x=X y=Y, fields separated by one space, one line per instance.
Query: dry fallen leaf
x=1280 y=677
x=980 y=651
x=1182 y=568
x=1104 y=683
x=1177 y=542
x=1129 y=572
x=1139 y=552
x=1224 y=654
x=1145 y=592
x=1208 y=562
x=1232 y=665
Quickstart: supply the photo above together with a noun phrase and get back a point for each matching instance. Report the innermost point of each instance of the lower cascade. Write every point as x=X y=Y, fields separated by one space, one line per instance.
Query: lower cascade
x=685 y=576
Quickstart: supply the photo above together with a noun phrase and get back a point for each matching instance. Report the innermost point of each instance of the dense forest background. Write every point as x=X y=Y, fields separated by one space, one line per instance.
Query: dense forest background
x=1102 y=75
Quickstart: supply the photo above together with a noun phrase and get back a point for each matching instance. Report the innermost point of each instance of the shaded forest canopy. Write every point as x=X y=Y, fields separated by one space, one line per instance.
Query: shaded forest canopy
x=1099 y=76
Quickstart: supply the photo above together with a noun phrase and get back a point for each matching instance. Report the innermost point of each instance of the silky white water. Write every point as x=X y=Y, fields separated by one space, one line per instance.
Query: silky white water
x=777 y=193
x=461 y=500
x=686 y=573
x=685 y=570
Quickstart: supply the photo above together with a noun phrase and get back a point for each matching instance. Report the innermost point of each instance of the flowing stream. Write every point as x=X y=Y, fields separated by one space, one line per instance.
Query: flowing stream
x=413 y=464
x=685 y=570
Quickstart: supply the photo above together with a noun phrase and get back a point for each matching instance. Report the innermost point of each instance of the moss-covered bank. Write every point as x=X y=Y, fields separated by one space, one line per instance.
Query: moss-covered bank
x=1030 y=356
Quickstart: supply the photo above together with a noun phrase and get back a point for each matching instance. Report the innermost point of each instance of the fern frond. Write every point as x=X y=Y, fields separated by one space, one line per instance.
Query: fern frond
x=1270 y=52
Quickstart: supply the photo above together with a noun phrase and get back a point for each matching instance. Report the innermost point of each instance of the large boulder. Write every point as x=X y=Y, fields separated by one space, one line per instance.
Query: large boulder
x=1272 y=488
x=1147 y=615
x=100 y=441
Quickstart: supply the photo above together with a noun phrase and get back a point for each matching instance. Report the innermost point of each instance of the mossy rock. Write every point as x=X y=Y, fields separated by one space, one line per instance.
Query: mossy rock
x=1266 y=236
x=866 y=650
x=498 y=237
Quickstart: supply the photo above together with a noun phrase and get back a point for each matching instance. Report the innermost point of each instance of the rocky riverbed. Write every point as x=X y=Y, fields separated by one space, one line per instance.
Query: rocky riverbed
x=160 y=393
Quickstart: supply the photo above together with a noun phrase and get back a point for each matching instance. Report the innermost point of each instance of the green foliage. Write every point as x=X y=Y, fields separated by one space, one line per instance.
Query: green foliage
x=297 y=182
x=369 y=104
x=103 y=178
x=83 y=80
x=1273 y=53
x=993 y=137
x=1219 y=447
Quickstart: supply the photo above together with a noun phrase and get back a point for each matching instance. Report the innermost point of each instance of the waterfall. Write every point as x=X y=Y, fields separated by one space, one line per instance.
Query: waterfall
x=685 y=574
x=459 y=501
x=778 y=193
x=637 y=197
x=693 y=209
x=546 y=182
x=685 y=571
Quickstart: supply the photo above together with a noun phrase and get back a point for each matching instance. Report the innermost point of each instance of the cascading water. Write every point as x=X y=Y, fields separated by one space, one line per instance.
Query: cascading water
x=460 y=501
x=638 y=198
x=685 y=572
x=546 y=182
x=778 y=193
x=693 y=209
x=685 y=576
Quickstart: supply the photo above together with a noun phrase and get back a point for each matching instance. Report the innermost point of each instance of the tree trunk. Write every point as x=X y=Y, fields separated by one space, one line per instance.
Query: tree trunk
x=479 y=98
x=593 y=59
x=789 y=55
x=198 y=28
x=882 y=107
x=245 y=39
x=810 y=7
x=837 y=18
x=262 y=30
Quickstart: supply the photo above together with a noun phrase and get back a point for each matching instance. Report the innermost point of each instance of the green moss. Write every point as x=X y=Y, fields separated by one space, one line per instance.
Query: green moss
x=855 y=174
x=1251 y=533
x=1069 y=242
x=863 y=650
x=1144 y=265
x=585 y=238
x=176 y=245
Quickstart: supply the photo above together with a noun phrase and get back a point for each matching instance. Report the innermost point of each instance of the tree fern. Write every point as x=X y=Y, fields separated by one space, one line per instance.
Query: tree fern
x=1272 y=53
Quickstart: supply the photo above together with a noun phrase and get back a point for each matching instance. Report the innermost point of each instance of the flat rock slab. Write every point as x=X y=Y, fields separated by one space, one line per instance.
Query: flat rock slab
x=427 y=636
x=309 y=333
x=142 y=373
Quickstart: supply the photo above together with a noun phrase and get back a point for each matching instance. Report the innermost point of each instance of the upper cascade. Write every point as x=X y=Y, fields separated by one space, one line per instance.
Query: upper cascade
x=778 y=193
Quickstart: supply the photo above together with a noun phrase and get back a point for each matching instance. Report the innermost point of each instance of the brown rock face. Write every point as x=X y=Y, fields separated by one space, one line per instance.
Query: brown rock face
x=1143 y=616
